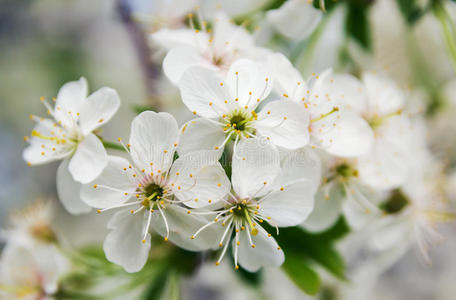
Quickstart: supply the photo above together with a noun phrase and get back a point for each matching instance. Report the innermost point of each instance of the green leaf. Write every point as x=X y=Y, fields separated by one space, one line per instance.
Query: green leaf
x=301 y=274
x=357 y=24
x=315 y=247
x=410 y=10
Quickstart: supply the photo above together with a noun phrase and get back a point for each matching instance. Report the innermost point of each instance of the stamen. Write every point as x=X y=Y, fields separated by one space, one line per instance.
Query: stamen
x=335 y=108
x=165 y=221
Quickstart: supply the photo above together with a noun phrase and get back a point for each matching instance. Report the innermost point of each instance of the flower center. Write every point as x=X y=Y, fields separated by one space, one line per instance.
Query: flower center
x=238 y=122
x=43 y=232
x=244 y=213
x=152 y=193
x=396 y=202
x=346 y=170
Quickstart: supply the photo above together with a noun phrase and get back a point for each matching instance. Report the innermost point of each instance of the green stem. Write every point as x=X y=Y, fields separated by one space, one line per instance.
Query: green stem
x=448 y=30
x=112 y=145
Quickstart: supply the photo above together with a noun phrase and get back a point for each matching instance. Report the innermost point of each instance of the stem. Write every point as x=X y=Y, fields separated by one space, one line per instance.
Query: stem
x=112 y=145
x=448 y=30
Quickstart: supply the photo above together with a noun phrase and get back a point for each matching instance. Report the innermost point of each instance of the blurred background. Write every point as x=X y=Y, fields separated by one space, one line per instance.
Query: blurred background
x=46 y=43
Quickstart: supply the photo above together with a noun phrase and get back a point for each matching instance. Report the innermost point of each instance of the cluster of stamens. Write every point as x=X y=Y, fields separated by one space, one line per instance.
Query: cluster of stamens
x=238 y=215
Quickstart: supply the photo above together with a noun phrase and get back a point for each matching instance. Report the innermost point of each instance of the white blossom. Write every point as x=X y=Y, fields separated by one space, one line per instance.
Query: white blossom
x=150 y=191
x=228 y=107
x=265 y=190
x=70 y=138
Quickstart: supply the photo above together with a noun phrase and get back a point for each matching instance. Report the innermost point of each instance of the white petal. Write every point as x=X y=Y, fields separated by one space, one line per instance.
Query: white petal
x=178 y=60
x=390 y=231
x=69 y=101
x=303 y=163
x=199 y=175
x=295 y=19
x=173 y=38
x=254 y=163
x=228 y=36
x=183 y=225
x=328 y=202
x=287 y=124
x=123 y=245
x=98 y=109
x=43 y=150
x=290 y=205
x=89 y=159
x=153 y=140
x=249 y=82
x=384 y=96
x=344 y=134
x=200 y=134
x=68 y=191
x=359 y=208
x=265 y=253
x=331 y=90
x=203 y=92
x=387 y=165
x=287 y=81
x=111 y=185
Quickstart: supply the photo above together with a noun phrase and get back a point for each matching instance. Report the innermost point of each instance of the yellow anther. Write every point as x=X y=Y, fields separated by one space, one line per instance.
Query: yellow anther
x=253 y=245
x=189 y=212
x=281 y=188
x=99 y=121
x=238 y=243
x=95 y=186
x=192 y=237
x=166 y=239
x=143 y=241
x=98 y=211
x=285 y=95
x=236 y=267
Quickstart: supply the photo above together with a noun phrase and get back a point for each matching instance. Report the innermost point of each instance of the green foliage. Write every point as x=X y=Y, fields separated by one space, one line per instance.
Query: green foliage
x=301 y=274
x=317 y=248
x=156 y=288
x=303 y=249
x=410 y=10
x=328 y=4
x=357 y=23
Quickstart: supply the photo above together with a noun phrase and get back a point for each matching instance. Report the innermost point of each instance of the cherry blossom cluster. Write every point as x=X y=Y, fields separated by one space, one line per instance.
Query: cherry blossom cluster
x=266 y=148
